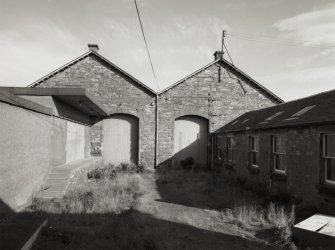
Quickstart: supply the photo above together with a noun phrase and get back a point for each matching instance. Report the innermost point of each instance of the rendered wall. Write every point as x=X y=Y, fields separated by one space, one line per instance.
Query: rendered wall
x=30 y=144
x=304 y=165
x=24 y=153
x=204 y=95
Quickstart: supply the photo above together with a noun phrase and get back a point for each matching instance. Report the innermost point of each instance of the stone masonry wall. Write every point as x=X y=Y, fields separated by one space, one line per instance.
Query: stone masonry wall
x=304 y=165
x=118 y=94
x=203 y=95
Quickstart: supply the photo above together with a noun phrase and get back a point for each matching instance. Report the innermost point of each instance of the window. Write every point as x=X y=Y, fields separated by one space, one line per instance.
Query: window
x=279 y=153
x=274 y=116
x=253 y=151
x=303 y=111
x=229 y=149
x=219 y=147
x=329 y=157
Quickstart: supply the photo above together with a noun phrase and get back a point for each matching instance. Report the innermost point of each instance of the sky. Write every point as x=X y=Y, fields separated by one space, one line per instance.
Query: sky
x=286 y=45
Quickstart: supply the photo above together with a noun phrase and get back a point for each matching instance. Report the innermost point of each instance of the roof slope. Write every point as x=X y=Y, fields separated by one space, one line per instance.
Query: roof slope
x=236 y=71
x=312 y=110
x=39 y=81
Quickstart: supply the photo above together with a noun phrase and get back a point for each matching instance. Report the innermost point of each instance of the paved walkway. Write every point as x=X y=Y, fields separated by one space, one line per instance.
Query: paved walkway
x=59 y=177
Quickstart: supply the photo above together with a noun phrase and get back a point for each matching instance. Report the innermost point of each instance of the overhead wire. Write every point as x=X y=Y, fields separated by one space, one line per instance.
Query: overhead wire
x=231 y=60
x=276 y=40
x=146 y=45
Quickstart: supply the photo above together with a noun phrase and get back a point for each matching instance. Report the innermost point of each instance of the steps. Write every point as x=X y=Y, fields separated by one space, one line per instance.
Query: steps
x=58 y=179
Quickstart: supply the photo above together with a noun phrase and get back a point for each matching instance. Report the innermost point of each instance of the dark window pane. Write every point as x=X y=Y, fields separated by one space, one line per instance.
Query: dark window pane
x=230 y=155
x=279 y=144
x=330 y=145
x=279 y=162
x=330 y=169
x=256 y=144
x=254 y=158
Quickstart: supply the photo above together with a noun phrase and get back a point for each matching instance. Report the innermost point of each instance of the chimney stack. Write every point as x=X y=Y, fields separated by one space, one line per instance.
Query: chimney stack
x=218 y=55
x=93 y=47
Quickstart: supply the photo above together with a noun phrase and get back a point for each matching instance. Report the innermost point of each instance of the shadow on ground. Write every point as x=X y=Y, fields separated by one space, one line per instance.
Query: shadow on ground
x=132 y=230
x=200 y=189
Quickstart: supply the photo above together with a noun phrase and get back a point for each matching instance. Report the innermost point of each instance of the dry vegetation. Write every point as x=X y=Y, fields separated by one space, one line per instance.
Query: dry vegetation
x=123 y=208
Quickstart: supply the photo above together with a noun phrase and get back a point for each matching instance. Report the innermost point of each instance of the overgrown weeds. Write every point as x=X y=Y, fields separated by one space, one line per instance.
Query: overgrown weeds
x=274 y=216
x=112 y=190
x=110 y=171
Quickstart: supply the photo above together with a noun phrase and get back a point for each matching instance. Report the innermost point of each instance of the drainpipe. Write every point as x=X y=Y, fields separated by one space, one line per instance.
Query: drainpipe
x=156 y=134
x=212 y=163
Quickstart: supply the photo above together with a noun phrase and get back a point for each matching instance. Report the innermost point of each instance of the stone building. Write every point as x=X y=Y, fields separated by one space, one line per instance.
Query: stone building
x=163 y=128
x=288 y=148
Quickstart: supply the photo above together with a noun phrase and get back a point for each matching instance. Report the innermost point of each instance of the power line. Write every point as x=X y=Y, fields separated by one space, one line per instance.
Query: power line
x=276 y=40
x=146 y=45
x=224 y=45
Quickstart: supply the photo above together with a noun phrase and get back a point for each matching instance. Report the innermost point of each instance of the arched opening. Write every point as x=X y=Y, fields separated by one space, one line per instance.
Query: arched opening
x=190 y=139
x=120 y=139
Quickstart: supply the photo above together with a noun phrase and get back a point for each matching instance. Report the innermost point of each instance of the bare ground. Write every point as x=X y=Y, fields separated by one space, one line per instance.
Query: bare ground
x=178 y=210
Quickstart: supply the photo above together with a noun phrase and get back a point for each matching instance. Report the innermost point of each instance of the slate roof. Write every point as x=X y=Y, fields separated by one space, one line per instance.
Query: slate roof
x=39 y=81
x=234 y=70
x=313 y=110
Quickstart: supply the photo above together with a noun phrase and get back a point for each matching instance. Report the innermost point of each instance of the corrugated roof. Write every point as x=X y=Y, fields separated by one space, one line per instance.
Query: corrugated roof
x=316 y=109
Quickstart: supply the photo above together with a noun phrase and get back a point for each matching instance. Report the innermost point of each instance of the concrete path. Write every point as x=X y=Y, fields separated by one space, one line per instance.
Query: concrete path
x=58 y=179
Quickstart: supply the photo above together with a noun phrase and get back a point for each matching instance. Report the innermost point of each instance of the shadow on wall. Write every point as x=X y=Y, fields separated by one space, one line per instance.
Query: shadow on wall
x=185 y=158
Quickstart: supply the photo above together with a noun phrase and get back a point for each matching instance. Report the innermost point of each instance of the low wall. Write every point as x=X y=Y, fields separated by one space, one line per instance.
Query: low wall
x=30 y=143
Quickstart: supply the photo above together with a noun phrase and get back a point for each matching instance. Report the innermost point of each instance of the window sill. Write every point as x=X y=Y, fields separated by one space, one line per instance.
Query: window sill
x=326 y=188
x=253 y=169
x=278 y=176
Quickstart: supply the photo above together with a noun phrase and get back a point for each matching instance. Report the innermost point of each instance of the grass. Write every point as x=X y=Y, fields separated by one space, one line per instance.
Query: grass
x=252 y=212
x=121 y=208
x=95 y=213
x=101 y=193
x=274 y=217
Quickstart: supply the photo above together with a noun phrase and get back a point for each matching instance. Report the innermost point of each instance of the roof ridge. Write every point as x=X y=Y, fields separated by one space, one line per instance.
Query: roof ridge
x=292 y=101
x=39 y=81
x=188 y=76
x=230 y=65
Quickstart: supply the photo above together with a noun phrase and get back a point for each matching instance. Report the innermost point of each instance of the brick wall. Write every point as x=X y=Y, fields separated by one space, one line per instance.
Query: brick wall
x=118 y=94
x=304 y=165
x=203 y=95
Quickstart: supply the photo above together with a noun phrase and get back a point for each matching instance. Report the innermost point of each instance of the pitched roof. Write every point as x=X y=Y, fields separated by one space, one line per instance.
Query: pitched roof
x=91 y=52
x=313 y=110
x=237 y=71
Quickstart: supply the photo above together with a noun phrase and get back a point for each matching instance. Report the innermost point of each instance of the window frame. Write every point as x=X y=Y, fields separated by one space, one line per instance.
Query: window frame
x=275 y=154
x=252 y=150
x=324 y=158
x=229 y=152
x=219 y=148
